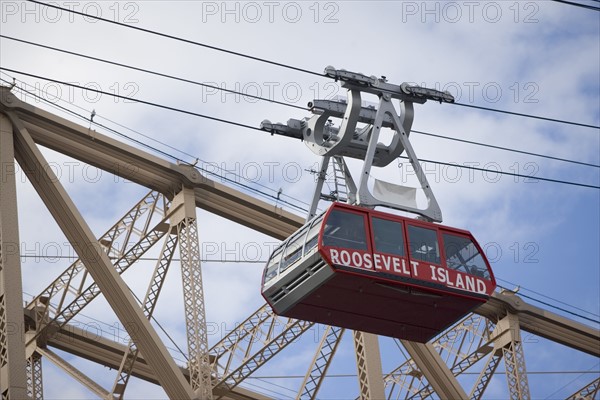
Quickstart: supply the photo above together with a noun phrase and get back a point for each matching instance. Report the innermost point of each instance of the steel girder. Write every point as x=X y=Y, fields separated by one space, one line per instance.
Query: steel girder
x=62 y=135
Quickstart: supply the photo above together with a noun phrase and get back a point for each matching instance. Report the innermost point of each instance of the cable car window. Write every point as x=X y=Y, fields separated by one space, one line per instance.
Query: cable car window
x=273 y=264
x=423 y=244
x=313 y=235
x=388 y=236
x=344 y=229
x=293 y=250
x=462 y=255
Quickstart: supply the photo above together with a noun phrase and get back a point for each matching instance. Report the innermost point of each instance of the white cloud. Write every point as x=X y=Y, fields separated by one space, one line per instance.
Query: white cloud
x=534 y=57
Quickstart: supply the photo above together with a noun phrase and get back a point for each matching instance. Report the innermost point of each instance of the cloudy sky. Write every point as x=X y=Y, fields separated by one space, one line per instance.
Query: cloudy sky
x=532 y=57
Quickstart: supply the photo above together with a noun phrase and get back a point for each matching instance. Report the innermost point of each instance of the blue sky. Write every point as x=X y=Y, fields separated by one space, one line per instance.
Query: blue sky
x=541 y=58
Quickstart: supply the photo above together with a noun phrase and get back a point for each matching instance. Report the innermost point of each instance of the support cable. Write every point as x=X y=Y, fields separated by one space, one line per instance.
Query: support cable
x=508 y=173
x=553 y=306
x=232 y=181
x=150 y=31
x=147 y=71
x=192 y=113
x=188 y=41
x=572 y=3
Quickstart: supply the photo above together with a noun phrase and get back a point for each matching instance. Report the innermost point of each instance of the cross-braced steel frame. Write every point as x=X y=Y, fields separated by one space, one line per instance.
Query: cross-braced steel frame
x=479 y=343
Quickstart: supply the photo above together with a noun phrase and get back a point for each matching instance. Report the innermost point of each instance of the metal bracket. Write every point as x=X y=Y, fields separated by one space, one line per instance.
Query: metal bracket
x=325 y=140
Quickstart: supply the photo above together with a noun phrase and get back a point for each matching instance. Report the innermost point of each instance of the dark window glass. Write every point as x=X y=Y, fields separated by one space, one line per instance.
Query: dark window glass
x=313 y=235
x=344 y=229
x=462 y=255
x=293 y=252
x=388 y=236
x=273 y=264
x=423 y=244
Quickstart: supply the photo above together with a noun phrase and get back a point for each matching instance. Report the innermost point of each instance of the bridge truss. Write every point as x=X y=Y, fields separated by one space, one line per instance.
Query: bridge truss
x=165 y=219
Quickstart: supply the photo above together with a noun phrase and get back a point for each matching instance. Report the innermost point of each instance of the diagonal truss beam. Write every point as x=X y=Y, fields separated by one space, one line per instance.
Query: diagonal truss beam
x=135 y=165
x=435 y=370
x=97 y=262
x=84 y=297
x=13 y=381
x=262 y=326
x=294 y=330
x=150 y=300
x=588 y=392
x=57 y=293
x=485 y=376
x=318 y=369
x=74 y=372
x=461 y=346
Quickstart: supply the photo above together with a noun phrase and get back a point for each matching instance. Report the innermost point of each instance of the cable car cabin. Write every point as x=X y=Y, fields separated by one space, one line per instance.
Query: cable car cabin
x=374 y=272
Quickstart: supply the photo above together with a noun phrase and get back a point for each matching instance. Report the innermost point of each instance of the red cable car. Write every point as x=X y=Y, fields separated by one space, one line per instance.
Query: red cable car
x=380 y=273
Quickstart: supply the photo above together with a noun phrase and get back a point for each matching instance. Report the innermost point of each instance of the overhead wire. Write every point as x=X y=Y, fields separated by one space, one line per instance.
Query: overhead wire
x=176 y=349
x=506 y=149
x=160 y=74
x=590 y=371
x=74 y=257
x=551 y=396
x=596 y=321
x=193 y=157
x=548 y=297
x=561 y=121
x=455 y=165
x=155 y=73
x=235 y=261
x=513 y=174
x=177 y=38
x=272 y=197
x=239 y=124
x=283 y=65
x=572 y=3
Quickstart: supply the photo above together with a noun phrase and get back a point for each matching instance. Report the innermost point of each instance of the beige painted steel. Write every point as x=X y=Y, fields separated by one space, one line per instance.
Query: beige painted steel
x=35 y=384
x=74 y=372
x=137 y=166
x=77 y=341
x=97 y=263
x=368 y=365
x=13 y=378
x=542 y=322
x=148 y=170
x=588 y=392
x=149 y=303
x=184 y=221
x=507 y=337
x=435 y=370
x=315 y=375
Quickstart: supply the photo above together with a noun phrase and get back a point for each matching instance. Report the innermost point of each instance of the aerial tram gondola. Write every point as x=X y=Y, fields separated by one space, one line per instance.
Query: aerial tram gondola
x=359 y=268
x=377 y=272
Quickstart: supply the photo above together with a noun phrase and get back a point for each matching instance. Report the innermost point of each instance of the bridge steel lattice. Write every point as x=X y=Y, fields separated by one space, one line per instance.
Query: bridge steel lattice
x=166 y=218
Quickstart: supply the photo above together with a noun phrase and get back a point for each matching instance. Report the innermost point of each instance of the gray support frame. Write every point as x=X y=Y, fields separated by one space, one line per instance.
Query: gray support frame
x=98 y=264
x=364 y=196
x=13 y=380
